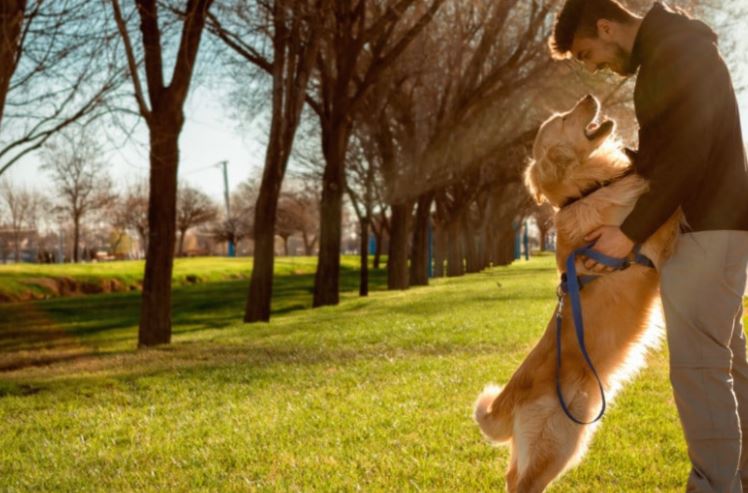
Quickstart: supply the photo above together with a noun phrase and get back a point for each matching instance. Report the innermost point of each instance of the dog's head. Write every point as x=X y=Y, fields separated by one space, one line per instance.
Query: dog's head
x=563 y=144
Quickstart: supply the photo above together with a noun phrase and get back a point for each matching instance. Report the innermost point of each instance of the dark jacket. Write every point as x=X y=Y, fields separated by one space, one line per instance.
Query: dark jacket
x=690 y=141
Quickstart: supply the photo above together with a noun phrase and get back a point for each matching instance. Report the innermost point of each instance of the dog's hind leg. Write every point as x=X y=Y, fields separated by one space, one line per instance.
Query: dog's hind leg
x=512 y=474
x=540 y=474
x=547 y=444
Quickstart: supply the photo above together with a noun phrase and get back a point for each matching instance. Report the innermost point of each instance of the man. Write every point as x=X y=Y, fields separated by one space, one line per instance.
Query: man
x=691 y=150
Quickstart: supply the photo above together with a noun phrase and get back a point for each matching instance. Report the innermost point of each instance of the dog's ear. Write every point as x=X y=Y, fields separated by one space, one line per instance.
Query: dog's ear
x=553 y=165
x=561 y=156
x=532 y=182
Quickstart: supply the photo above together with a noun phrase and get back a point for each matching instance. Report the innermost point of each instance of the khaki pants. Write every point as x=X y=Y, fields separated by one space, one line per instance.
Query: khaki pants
x=702 y=289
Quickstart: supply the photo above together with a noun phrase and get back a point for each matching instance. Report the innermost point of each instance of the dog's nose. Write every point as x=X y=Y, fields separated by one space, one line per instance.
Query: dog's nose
x=589 y=97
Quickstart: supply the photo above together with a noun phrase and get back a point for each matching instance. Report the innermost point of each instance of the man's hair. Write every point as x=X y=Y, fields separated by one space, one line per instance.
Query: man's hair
x=579 y=17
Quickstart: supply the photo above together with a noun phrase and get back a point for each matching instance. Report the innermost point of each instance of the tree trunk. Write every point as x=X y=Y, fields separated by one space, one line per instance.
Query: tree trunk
x=505 y=244
x=327 y=277
x=455 y=265
x=143 y=235
x=397 y=256
x=285 y=245
x=420 y=256
x=17 y=246
x=76 y=238
x=471 y=252
x=377 y=247
x=155 y=311
x=440 y=251
x=363 y=289
x=257 y=307
x=486 y=240
x=180 y=250
x=11 y=20
x=308 y=244
x=543 y=236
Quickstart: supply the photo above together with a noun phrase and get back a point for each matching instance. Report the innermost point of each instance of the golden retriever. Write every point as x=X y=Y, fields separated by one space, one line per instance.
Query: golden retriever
x=571 y=154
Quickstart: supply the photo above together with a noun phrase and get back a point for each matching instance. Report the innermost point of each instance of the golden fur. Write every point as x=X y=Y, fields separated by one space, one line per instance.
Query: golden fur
x=570 y=154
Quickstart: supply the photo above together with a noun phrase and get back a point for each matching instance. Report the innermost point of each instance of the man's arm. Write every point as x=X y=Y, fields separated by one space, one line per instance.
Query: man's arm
x=675 y=145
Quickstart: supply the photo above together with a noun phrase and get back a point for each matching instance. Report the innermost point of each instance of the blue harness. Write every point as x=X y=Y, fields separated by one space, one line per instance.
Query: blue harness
x=571 y=284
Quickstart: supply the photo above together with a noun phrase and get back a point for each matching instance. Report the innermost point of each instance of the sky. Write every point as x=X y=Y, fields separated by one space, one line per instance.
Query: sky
x=211 y=135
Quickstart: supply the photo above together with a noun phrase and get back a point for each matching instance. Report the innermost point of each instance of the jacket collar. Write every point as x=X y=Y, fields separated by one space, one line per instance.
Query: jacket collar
x=661 y=24
x=646 y=36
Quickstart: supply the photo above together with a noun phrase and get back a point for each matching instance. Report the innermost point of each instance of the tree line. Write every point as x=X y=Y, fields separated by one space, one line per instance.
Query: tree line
x=419 y=113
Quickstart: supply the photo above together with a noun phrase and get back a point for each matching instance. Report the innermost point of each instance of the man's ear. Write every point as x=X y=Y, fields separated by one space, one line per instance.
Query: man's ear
x=604 y=30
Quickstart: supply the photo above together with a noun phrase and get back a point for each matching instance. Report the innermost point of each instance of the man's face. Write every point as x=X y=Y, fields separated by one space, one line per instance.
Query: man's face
x=598 y=54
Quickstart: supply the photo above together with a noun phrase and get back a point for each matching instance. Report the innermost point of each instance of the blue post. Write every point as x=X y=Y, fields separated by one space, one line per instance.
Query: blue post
x=430 y=239
x=372 y=244
x=232 y=249
x=526 y=241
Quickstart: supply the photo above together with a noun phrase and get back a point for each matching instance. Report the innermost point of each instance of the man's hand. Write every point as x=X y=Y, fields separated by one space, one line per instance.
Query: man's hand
x=610 y=241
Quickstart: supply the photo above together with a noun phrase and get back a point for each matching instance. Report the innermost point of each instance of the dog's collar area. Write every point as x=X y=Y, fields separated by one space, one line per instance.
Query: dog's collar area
x=597 y=186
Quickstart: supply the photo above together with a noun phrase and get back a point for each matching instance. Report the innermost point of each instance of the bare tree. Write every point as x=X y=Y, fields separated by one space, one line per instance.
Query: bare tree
x=363 y=40
x=239 y=225
x=131 y=211
x=22 y=209
x=55 y=70
x=301 y=197
x=361 y=184
x=194 y=208
x=435 y=112
x=164 y=118
x=289 y=220
x=83 y=186
x=293 y=29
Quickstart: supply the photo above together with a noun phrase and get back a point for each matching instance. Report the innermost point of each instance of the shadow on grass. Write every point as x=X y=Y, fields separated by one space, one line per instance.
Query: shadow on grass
x=235 y=363
x=63 y=329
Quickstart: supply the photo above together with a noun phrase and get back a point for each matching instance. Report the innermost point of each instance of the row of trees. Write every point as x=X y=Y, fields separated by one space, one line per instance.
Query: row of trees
x=84 y=193
x=419 y=111
x=98 y=218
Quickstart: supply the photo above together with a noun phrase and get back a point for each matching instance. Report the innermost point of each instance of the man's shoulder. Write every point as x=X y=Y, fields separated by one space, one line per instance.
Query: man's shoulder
x=677 y=46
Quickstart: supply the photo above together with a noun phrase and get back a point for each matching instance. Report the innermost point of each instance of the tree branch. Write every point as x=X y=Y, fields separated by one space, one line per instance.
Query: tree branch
x=131 y=63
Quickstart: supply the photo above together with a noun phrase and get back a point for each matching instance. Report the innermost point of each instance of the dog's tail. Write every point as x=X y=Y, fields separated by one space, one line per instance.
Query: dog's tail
x=493 y=416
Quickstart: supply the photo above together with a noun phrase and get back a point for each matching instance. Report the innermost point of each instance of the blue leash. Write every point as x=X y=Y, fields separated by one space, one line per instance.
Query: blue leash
x=572 y=284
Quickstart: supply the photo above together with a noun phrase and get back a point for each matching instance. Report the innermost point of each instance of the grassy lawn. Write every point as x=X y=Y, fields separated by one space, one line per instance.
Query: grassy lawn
x=34 y=280
x=372 y=395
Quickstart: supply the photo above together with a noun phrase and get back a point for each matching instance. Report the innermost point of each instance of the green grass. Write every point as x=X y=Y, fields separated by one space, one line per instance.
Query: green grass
x=31 y=281
x=372 y=395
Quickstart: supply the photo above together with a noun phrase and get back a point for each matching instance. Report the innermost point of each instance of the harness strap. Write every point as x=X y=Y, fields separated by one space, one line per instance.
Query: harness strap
x=571 y=284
